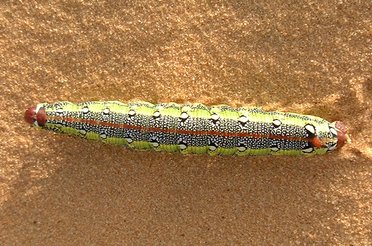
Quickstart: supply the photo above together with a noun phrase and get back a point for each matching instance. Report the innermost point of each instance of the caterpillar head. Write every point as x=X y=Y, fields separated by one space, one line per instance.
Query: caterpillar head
x=36 y=116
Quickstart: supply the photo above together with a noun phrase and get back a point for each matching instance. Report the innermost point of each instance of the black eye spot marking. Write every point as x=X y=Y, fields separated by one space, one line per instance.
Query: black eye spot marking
x=132 y=113
x=183 y=117
x=212 y=146
x=274 y=148
x=242 y=147
x=129 y=139
x=182 y=144
x=215 y=118
x=156 y=115
x=106 y=111
x=243 y=120
x=85 y=110
x=277 y=123
x=310 y=129
x=154 y=142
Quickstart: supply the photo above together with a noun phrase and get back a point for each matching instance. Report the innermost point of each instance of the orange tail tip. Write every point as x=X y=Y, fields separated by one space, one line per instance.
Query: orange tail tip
x=341 y=134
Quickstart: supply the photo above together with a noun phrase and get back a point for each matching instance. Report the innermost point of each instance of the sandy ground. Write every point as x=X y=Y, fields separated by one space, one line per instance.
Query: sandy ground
x=312 y=58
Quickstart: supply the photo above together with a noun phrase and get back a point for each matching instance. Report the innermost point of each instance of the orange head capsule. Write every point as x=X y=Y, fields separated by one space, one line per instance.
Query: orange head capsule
x=341 y=134
x=31 y=116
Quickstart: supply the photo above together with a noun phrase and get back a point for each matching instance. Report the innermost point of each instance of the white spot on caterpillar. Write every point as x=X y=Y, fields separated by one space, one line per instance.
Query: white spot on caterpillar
x=274 y=148
x=104 y=136
x=308 y=150
x=243 y=119
x=212 y=148
x=242 y=148
x=277 y=123
x=106 y=111
x=154 y=141
x=85 y=110
x=155 y=144
x=129 y=140
x=214 y=120
x=182 y=146
x=184 y=116
x=156 y=114
x=132 y=112
x=215 y=117
x=310 y=128
x=83 y=132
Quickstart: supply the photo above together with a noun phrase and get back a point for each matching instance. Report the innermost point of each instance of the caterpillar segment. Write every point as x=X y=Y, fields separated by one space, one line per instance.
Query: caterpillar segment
x=191 y=128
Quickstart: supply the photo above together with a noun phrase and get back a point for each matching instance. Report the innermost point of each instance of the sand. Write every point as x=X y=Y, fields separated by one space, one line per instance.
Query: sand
x=312 y=57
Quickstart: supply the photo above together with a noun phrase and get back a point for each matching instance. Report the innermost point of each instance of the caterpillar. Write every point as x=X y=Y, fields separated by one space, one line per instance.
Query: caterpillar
x=191 y=128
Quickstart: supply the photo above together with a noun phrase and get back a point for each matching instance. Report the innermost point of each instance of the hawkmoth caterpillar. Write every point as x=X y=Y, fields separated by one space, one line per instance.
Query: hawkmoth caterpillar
x=191 y=128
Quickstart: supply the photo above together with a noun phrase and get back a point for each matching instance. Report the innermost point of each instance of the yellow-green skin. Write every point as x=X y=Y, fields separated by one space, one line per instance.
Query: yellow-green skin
x=191 y=128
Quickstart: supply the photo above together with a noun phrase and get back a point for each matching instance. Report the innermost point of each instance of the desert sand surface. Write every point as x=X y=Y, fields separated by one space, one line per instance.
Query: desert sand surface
x=312 y=57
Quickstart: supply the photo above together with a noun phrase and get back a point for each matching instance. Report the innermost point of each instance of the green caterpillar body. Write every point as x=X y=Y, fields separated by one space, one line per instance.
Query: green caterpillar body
x=191 y=128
